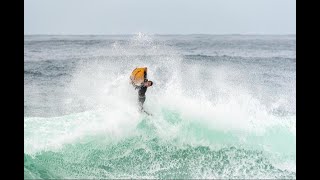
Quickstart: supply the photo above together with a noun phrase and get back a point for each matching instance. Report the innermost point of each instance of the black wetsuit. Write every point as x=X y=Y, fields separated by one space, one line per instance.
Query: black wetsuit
x=142 y=95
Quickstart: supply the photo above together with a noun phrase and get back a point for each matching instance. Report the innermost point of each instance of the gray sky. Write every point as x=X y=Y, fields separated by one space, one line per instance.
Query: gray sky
x=160 y=16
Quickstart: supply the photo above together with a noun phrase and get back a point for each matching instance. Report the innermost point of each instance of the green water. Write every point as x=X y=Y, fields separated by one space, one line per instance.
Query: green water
x=189 y=150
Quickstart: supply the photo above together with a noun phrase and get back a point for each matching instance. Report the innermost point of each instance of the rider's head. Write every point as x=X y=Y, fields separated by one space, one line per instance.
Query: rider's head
x=148 y=83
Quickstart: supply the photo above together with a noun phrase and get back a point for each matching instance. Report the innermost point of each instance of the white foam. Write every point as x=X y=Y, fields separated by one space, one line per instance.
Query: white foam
x=102 y=87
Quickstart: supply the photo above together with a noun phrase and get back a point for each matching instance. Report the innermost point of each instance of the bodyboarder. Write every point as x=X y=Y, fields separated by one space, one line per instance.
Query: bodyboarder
x=141 y=83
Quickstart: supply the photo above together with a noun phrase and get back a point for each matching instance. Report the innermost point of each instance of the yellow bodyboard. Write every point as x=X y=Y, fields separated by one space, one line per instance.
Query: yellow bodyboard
x=138 y=75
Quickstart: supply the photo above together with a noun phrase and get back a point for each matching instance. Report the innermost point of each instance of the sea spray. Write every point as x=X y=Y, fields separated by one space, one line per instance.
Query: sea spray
x=230 y=116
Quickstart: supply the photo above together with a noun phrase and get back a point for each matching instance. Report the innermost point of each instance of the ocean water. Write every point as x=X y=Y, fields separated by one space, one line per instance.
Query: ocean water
x=223 y=106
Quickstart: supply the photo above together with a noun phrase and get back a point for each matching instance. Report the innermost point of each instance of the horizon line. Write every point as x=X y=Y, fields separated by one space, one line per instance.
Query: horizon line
x=125 y=34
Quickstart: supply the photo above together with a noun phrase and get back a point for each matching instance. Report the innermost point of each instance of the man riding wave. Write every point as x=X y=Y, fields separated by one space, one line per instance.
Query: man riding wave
x=141 y=83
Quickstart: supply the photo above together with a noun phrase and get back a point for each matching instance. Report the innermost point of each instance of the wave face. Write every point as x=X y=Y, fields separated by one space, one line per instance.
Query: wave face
x=222 y=107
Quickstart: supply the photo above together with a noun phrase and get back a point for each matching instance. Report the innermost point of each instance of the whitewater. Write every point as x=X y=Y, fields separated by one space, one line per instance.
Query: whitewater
x=223 y=106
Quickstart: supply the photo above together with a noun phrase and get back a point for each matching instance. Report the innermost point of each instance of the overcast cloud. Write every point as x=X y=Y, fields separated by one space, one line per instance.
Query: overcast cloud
x=160 y=16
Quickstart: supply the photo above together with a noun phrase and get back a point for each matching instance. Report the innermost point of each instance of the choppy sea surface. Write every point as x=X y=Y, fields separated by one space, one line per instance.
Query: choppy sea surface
x=223 y=106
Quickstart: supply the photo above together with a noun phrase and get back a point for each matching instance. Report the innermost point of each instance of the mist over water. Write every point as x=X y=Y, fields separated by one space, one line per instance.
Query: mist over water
x=223 y=107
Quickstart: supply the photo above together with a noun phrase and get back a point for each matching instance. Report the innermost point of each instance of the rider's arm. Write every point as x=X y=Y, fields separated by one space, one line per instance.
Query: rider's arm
x=137 y=87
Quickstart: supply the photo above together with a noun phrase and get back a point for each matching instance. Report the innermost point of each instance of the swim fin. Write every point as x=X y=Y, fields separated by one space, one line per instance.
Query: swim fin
x=149 y=114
